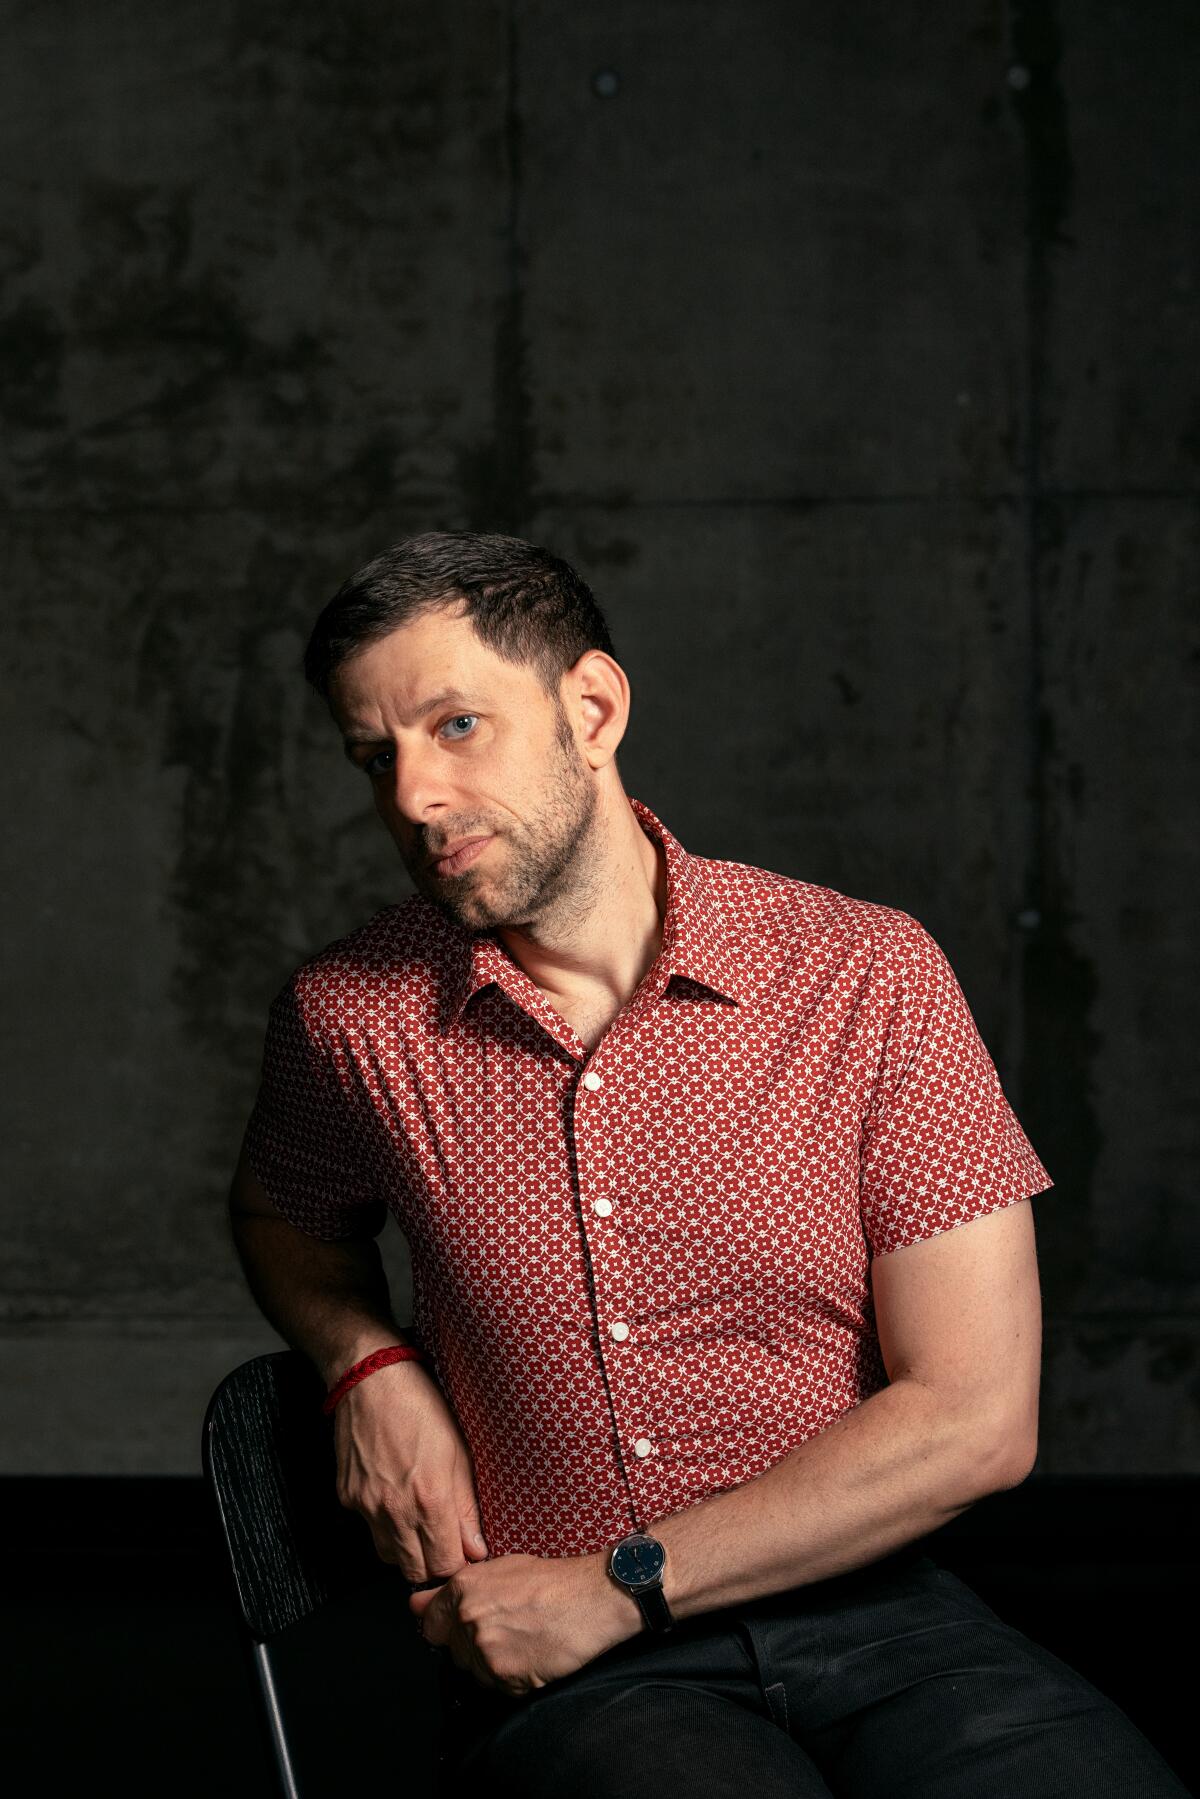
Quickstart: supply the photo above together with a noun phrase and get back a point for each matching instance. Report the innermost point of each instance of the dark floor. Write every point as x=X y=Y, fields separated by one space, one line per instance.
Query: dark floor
x=126 y=1669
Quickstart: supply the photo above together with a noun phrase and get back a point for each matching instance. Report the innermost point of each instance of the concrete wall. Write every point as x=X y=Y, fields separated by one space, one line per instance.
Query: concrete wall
x=850 y=352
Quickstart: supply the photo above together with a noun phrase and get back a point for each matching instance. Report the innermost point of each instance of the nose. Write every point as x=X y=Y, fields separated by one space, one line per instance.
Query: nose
x=414 y=792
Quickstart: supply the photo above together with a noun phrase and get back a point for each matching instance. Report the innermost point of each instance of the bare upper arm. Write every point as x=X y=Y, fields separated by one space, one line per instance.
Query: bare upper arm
x=961 y=1313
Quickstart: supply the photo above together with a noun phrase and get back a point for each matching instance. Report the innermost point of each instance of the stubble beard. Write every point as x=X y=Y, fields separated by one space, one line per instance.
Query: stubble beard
x=546 y=882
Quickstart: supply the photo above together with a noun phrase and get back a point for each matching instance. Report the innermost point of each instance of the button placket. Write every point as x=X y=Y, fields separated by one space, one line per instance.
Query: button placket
x=617 y=1331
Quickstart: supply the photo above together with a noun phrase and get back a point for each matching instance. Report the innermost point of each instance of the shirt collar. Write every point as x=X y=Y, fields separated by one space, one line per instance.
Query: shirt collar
x=697 y=944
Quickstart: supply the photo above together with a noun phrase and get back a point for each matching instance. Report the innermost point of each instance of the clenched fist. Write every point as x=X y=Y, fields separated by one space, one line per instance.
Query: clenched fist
x=520 y=1621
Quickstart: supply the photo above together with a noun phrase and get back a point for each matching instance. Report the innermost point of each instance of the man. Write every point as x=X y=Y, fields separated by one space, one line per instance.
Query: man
x=724 y=1282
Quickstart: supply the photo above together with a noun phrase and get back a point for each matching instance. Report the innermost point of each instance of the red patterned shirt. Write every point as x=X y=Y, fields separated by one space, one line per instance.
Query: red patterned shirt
x=643 y=1273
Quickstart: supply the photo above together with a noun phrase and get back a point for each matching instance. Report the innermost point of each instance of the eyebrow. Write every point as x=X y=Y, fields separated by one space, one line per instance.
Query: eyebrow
x=449 y=696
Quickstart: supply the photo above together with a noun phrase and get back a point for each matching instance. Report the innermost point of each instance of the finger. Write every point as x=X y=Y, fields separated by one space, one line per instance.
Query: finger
x=441 y=1543
x=435 y=1614
x=399 y=1546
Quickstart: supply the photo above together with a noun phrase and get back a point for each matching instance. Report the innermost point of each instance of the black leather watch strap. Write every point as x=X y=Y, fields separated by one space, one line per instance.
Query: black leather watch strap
x=654 y=1607
x=636 y=1563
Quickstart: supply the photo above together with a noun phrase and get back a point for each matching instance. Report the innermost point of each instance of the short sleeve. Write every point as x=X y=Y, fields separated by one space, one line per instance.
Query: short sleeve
x=303 y=1140
x=940 y=1143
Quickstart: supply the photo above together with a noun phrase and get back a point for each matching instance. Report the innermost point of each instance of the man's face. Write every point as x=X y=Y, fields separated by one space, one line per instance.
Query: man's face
x=459 y=744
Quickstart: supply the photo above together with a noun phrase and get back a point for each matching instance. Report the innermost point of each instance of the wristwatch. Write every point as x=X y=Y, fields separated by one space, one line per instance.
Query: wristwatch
x=636 y=1563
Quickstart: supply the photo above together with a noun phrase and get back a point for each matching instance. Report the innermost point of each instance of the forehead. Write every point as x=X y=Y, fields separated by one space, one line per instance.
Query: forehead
x=436 y=654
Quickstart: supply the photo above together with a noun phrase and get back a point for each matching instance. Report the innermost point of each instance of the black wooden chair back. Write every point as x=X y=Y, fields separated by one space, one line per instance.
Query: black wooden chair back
x=336 y=1658
x=268 y=1460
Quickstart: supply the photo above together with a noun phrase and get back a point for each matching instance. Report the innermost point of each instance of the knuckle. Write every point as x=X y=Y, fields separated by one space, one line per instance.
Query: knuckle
x=426 y=1493
x=513 y=1680
x=387 y=1552
x=465 y=1602
x=391 y=1500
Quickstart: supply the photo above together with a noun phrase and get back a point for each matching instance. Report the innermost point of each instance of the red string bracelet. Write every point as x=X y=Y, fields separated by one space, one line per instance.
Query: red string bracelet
x=379 y=1358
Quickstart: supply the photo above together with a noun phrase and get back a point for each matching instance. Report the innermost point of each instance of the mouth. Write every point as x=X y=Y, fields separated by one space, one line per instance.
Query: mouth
x=453 y=862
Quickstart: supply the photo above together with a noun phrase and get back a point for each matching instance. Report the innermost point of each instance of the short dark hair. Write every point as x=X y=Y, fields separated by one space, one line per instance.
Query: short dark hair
x=525 y=604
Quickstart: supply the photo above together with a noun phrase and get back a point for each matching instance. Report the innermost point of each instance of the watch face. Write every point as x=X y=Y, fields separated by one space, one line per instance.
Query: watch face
x=638 y=1560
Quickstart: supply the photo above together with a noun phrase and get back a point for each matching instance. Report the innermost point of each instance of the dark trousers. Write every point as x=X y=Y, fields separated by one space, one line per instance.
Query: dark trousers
x=894 y=1681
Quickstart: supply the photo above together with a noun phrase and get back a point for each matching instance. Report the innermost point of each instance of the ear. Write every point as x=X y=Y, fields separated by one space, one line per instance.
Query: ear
x=595 y=694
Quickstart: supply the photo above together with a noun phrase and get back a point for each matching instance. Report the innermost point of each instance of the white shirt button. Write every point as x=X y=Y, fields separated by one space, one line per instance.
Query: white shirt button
x=643 y=1446
x=602 y=1208
x=618 y=1330
x=591 y=1080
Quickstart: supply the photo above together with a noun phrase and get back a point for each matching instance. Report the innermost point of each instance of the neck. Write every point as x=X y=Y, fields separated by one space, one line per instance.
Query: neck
x=604 y=935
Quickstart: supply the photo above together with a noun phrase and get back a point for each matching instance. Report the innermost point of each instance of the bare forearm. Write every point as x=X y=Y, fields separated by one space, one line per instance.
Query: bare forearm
x=329 y=1300
x=891 y=1470
x=958 y=1317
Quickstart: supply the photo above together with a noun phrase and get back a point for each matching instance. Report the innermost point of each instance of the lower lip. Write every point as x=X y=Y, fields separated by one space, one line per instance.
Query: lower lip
x=463 y=858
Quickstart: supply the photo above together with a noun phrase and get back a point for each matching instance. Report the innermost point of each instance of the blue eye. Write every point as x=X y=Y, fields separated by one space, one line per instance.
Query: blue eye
x=383 y=761
x=459 y=719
